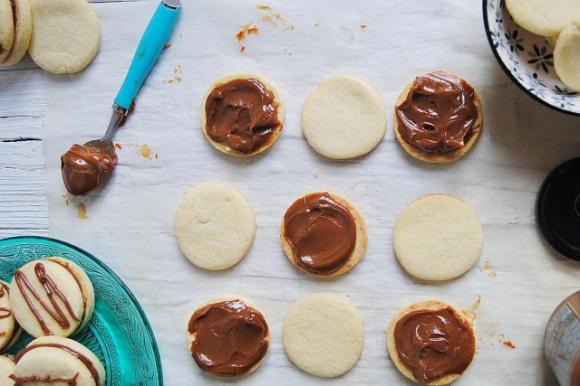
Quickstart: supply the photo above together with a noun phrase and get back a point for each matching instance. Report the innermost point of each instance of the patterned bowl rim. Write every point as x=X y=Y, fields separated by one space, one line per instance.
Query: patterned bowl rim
x=121 y=284
x=507 y=70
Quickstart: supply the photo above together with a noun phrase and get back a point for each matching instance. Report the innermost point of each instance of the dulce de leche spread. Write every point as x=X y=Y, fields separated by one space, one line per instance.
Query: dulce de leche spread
x=85 y=168
x=439 y=113
x=434 y=343
x=242 y=114
x=230 y=338
x=321 y=233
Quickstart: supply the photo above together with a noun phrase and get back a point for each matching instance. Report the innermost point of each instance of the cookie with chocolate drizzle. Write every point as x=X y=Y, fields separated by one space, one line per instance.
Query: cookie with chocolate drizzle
x=51 y=296
x=9 y=328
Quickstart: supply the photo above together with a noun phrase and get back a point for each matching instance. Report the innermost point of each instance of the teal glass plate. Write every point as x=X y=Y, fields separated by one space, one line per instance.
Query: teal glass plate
x=119 y=333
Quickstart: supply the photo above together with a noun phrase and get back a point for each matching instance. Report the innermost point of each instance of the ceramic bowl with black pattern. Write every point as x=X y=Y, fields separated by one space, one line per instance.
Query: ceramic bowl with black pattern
x=527 y=59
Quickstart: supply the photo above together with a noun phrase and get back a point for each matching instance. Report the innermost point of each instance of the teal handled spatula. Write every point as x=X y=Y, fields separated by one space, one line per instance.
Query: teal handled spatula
x=85 y=168
x=150 y=47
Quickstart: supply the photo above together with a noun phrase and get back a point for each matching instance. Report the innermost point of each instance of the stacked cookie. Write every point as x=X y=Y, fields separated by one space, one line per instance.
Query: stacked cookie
x=51 y=299
x=45 y=29
x=559 y=22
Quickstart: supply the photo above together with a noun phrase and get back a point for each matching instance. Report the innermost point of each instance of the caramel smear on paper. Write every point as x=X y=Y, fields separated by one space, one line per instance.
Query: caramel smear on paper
x=176 y=77
x=472 y=312
x=509 y=344
x=488 y=269
x=275 y=19
x=82 y=211
x=147 y=153
x=244 y=32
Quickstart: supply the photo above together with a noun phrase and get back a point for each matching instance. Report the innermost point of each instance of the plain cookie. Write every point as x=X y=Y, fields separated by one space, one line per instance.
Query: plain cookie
x=6 y=29
x=323 y=334
x=66 y=35
x=545 y=18
x=437 y=238
x=343 y=118
x=567 y=56
x=22 y=32
x=215 y=226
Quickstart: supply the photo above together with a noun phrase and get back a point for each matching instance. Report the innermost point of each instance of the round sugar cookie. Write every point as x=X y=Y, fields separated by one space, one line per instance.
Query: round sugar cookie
x=9 y=328
x=22 y=32
x=7 y=366
x=316 y=231
x=567 y=56
x=6 y=29
x=241 y=312
x=343 y=118
x=32 y=305
x=323 y=334
x=60 y=358
x=215 y=226
x=66 y=35
x=545 y=18
x=437 y=238
x=432 y=305
x=244 y=107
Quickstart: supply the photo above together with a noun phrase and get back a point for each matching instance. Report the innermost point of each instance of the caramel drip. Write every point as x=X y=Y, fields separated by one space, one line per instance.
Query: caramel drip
x=20 y=381
x=86 y=361
x=51 y=289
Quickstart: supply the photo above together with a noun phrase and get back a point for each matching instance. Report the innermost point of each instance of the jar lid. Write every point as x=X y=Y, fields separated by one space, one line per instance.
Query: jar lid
x=558 y=208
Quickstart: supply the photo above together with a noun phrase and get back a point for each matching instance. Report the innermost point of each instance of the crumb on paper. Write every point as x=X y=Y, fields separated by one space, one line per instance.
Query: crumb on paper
x=316 y=175
x=82 y=211
x=275 y=18
x=316 y=24
x=244 y=32
x=118 y=146
x=509 y=344
x=488 y=269
x=176 y=77
x=146 y=152
x=363 y=27
x=288 y=51
x=67 y=197
x=168 y=45
x=472 y=312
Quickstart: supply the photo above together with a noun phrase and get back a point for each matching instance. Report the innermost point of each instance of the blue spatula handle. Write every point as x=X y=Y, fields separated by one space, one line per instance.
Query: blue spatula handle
x=154 y=39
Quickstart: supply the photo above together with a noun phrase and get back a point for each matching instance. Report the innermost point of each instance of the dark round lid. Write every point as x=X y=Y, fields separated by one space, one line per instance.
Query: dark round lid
x=558 y=208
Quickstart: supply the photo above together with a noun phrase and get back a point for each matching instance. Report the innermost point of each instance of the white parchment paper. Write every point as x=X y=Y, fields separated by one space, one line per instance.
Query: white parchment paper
x=130 y=223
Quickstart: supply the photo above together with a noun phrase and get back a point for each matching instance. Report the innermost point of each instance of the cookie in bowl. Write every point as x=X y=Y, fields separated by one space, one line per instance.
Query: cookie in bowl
x=438 y=118
x=431 y=343
x=242 y=115
x=9 y=328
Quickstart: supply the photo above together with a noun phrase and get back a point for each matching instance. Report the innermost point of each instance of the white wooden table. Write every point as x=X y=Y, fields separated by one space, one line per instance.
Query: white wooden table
x=522 y=141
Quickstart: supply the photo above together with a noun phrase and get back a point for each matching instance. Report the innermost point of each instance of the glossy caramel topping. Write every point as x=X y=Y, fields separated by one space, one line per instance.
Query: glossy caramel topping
x=439 y=113
x=321 y=233
x=242 y=114
x=55 y=297
x=230 y=338
x=70 y=381
x=433 y=344
x=85 y=168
